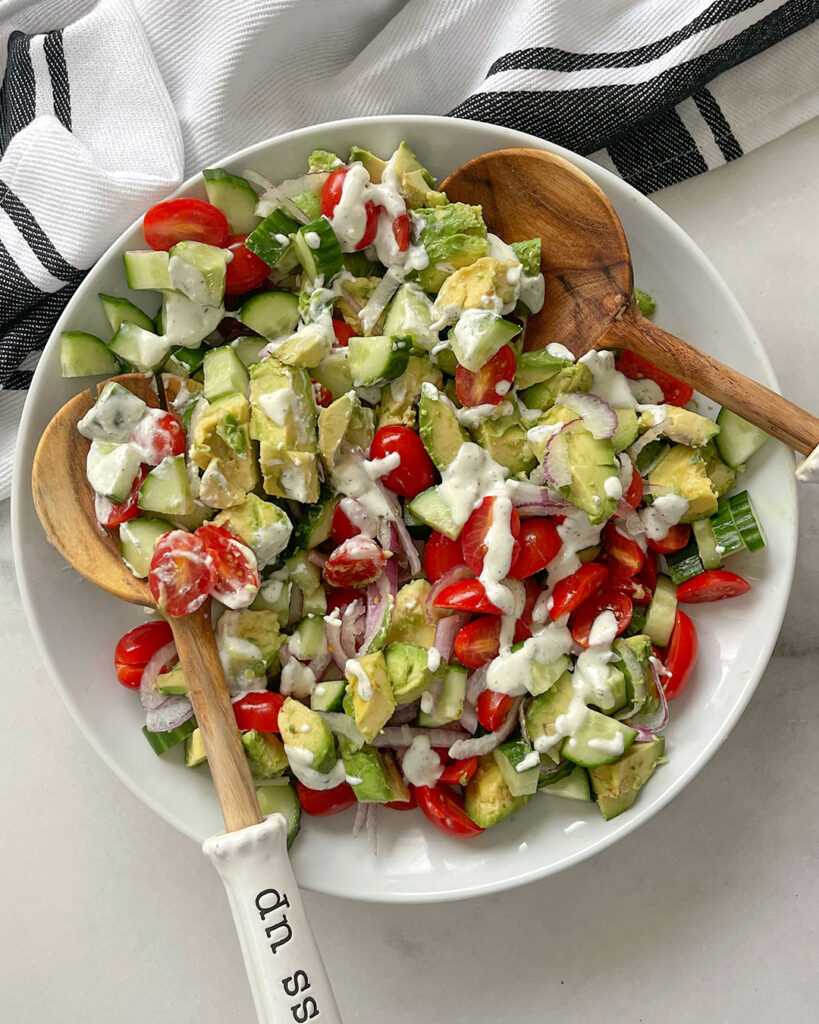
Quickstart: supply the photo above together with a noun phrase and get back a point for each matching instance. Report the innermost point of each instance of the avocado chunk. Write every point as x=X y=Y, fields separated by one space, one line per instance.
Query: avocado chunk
x=304 y=729
x=616 y=785
x=417 y=184
x=410 y=314
x=686 y=427
x=289 y=474
x=373 y=774
x=450 y=703
x=306 y=347
x=721 y=475
x=371 y=693
x=265 y=754
x=400 y=397
x=172 y=682
x=333 y=373
x=574 y=377
x=544 y=711
x=599 y=740
x=592 y=465
x=249 y=643
x=528 y=253
x=333 y=423
x=536 y=367
x=483 y=285
x=262 y=526
x=487 y=799
x=505 y=439
x=374 y=164
x=441 y=433
x=219 y=444
x=283 y=407
x=408 y=670
x=195 y=749
x=454 y=236
x=627 y=429
x=409 y=618
x=682 y=471
x=353 y=296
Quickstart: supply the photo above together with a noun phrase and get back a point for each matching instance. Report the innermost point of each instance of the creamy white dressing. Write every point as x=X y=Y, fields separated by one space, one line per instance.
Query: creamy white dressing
x=646 y=391
x=554 y=348
x=433 y=659
x=511 y=672
x=421 y=765
x=364 y=687
x=300 y=764
x=468 y=336
x=666 y=511
x=471 y=476
x=533 y=292
x=609 y=384
x=187 y=279
x=576 y=533
x=281 y=406
x=497 y=561
x=297 y=680
x=613 y=487
x=531 y=760
x=270 y=539
x=350 y=478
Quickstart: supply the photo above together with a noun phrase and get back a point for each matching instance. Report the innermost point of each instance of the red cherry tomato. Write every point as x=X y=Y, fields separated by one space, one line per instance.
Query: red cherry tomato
x=533 y=592
x=331 y=192
x=371 y=225
x=109 y=515
x=622 y=556
x=675 y=540
x=323 y=802
x=341 y=528
x=583 y=618
x=489 y=385
x=466 y=596
x=648 y=574
x=634 y=494
x=136 y=648
x=479 y=641
x=446 y=812
x=182 y=573
x=459 y=772
x=402 y=805
x=474 y=533
x=339 y=599
x=633 y=588
x=322 y=395
x=401 y=231
x=539 y=543
x=237 y=573
x=571 y=592
x=246 y=270
x=158 y=437
x=355 y=563
x=415 y=472
x=177 y=220
x=259 y=710
x=440 y=555
x=636 y=368
x=714 y=585
x=680 y=656
x=493 y=709
x=342 y=331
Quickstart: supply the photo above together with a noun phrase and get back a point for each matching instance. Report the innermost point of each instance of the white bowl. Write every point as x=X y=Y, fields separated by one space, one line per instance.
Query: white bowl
x=76 y=626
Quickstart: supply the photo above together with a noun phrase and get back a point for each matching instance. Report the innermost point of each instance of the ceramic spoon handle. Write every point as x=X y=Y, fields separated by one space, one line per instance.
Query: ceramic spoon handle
x=284 y=966
x=774 y=414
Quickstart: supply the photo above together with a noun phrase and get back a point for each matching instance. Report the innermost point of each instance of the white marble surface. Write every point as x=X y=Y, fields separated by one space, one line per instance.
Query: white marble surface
x=710 y=912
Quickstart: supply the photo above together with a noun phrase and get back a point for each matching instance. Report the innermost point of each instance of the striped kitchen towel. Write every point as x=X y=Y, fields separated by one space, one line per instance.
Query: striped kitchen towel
x=105 y=107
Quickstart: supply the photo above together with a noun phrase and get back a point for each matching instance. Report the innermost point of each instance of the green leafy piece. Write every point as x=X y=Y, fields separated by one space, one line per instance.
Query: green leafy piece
x=310 y=202
x=323 y=160
x=644 y=301
x=454 y=236
x=528 y=253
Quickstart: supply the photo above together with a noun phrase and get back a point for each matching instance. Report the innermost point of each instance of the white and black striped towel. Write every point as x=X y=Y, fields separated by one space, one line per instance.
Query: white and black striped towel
x=105 y=107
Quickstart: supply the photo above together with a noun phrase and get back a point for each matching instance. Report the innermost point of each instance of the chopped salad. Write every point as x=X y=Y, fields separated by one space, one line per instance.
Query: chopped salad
x=446 y=571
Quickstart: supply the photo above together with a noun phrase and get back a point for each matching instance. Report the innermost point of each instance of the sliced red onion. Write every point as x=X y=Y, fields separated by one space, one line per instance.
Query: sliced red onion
x=479 y=745
x=446 y=629
x=372 y=828
x=361 y=815
x=533 y=500
x=476 y=684
x=321 y=661
x=391 y=568
x=524 y=705
x=349 y=627
x=407 y=546
x=549 y=768
x=296 y=603
x=469 y=718
x=149 y=696
x=649 y=724
x=625 y=476
x=332 y=637
x=170 y=714
x=380 y=599
x=285 y=655
x=405 y=714
x=405 y=734
x=272 y=199
x=351 y=300
x=598 y=416
x=313 y=181
x=317 y=558
x=556 y=464
x=342 y=725
x=453 y=575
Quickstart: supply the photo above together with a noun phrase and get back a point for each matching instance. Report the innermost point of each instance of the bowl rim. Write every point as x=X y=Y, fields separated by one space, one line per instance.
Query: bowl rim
x=627 y=824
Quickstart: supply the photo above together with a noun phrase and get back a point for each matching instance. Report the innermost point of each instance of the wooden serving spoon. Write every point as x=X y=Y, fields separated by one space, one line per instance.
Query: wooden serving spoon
x=586 y=262
x=283 y=962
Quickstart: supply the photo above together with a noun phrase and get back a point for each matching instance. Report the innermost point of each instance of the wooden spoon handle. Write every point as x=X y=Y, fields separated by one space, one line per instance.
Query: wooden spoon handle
x=754 y=402
x=196 y=646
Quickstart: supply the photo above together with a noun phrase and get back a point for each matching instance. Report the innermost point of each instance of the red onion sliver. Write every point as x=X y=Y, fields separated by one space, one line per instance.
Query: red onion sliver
x=379 y=603
x=533 y=499
x=296 y=603
x=446 y=629
x=556 y=463
x=170 y=714
x=320 y=662
x=469 y=718
x=332 y=637
x=361 y=815
x=313 y=181
x=479 y=745
x=149 y=696
x=350 y=627
x=476 y=684
x=648 y=724
x=598 y=416
x=405 y=714
x=317 y=558
x=372 y=828
x=405 y=734
x=652 y=434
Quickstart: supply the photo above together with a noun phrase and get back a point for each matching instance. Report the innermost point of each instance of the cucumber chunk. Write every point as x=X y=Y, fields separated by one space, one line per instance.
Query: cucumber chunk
x=147 y=269
x=706 y=543
x=137 y=540
x=509 y=757
x=328 y=695
x=429 y=508
x=661 y=612
x=450 y=704
x=143 y=349
x=248 y=349
x=318 y=250
x=163 y=741
x=746 y=522
x=234 y=196
x=574 y=786
x=85 y=355
x=684 y=564
x=315 y=525
x=225 y=373
x=271 y=314
x=112 y=469
x=737 y=439
x=184 y=362
x=727 y=536
x=113 y=416
x=272 y=240
x=166 y=489
x=376 y=360
x=279 y=799
x=118 y=311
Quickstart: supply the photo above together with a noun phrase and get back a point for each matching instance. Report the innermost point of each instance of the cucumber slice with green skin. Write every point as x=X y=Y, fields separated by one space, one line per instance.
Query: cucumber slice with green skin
x=147 y=269
x=706 y=543
x=508 y=757
x=118 y=310
x=272 y=240
x=661 y=612
x=450 y=704
x=574 y=786
x=184 y=362
x=333 y=373
x=235 y=197
x=429 y=508
x=727 y=536
x=163 y=741
x=599 y=740
x=375 y=361
x=737 y=439
x=545 y=676
x=329 y=695
x=248 y=349
x=137 y=540
x=143 y=349
x=271 y=314
x=85 y=355
x=318 y=250
x=281 y=799
x=746 y=522
x=225 y=373
x=166 y=489
x=307 y=640
x=684 y=564
x=187 y=323
x=315 y=525
x=111 y=469
x=113 y=416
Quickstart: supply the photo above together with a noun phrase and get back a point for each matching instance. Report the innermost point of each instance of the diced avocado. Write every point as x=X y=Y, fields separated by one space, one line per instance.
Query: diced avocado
x=220 y=433
x=260 y=524
x=307 y=347
x=300 y=727
x=316 y=524
x=333 y=423
x=333 y=373
x=411 y=313
x=373 y=775
x=289 y=474
x=686 y=427
x=195 y=749
x=546 y=708
x=454 y=236
x=545 y=676
x=111 y=469
x=441 y=433
x=481 y=285
x=323 y=160
x=400 y=397
x=408 y=670
x=505 y=439
x=279 y=799
x=172 y=682
x=265 y=754
x=417 y=184
x=198 y=271
x=575 y=377
x=375 y=165
x=528 y=253
x=519 y=766
x=249 y=642
x=372 y=696
x=166 y=488
x=592 y=465
x=626 y=432
x=721 y=475
x=616 y=785
x=682 y=471
x=283 y=406
x=450 y=703
x=353 y=296
x=409 y=618
x=536 y=367
x=487 y=799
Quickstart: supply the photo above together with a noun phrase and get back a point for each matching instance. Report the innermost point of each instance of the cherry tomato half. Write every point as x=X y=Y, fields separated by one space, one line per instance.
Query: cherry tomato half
x=259 y=710
x=182 y=573
x=237 y=573
x=466 y=596
x=475 y=532
x=415 y=472
x=355 y=563
x=246 y=270
x=322 y=395
x=331 y=192
x=623 y=555
x=675 y=540
x=478 y=641
x=680 y=656
x=323 y=802
x=636 y=368
x=633 y=588
x=440 y=555
x=159 y=436
x=489 y=385
x=634 y=494
x=714 y=585
x=571 y=592
x=648 y=574
x=341 y=527
x=109 y=515
x=402 y=805
x=401 y=231
x=177 y=220
x=342 y=331
x=583 y=618
x=539 y=543
x=460 y=772
x=446 y=811
x=136 y=648
x=493 y=709
x=371 y=225
x=339 y=599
